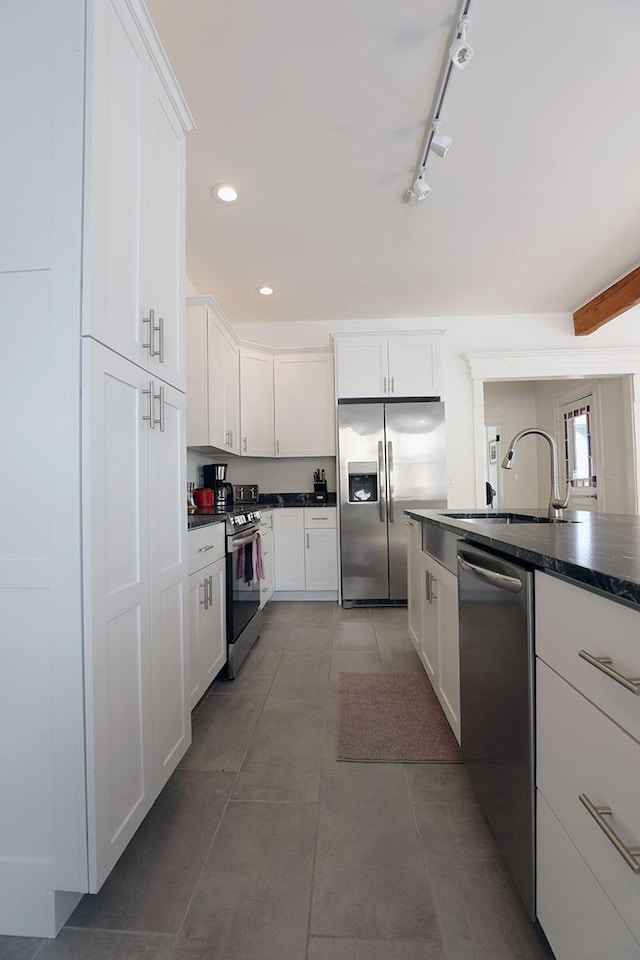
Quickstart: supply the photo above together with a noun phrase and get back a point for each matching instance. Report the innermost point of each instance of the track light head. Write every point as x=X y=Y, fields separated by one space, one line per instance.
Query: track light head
x=439 y=142
x=461 y=52
x=420 y=190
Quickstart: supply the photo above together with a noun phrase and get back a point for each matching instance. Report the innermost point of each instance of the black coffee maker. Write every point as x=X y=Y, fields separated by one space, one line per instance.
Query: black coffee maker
x=213 y=476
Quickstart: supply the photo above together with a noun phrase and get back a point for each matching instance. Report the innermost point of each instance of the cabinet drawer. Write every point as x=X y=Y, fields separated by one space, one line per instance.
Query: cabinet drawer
x=578 y=919
x=570 y=619
x=205 y=545
x=315 y=518
x=581 y=752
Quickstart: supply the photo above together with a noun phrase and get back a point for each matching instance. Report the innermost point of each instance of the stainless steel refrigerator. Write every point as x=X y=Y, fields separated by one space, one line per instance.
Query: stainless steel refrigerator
x=391 y=458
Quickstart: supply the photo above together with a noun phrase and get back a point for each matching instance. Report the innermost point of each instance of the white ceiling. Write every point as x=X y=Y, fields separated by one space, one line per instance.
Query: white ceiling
x=317 y=112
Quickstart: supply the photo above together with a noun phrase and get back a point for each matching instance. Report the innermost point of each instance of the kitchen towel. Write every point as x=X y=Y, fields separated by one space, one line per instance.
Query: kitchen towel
x=257 y=558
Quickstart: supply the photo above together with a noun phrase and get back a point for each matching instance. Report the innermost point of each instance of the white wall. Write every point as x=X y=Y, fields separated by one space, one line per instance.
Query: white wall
x=513 y=407
x=462 y=335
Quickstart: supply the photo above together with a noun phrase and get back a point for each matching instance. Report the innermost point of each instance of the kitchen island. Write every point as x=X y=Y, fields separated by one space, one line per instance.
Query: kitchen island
x=586 y=708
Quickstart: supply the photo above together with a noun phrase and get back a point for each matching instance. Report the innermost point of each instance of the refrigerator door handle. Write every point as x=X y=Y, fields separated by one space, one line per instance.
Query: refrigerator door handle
x=392 y=513
x=381 y=482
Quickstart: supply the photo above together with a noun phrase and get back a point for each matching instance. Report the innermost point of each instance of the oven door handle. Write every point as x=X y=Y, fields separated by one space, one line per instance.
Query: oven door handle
x=241 y=542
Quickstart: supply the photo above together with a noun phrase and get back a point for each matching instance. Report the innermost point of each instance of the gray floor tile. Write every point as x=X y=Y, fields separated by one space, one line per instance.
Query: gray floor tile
x=439 y=783
x=274 y=635
x=393 y=642
x=150 y=886
x=403 y=663
x=252 y=900
x=351 y=614
x=280 y=611
x=356 y=635
x=18 y=948
x=285 y=755
x=256 y=673
x=389 y=617
x=369 y=878
x=451 y=832
x=324 y=948
x=221 y=731
x=300 y=681
x=311 y=642
x=106 y=945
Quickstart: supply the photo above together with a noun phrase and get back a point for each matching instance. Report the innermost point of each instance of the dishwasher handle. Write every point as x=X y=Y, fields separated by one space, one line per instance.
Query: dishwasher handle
x=501 y=580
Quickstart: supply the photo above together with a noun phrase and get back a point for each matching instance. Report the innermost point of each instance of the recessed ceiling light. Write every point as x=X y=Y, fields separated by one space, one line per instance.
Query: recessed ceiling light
x=265 y=291
x=224 y=193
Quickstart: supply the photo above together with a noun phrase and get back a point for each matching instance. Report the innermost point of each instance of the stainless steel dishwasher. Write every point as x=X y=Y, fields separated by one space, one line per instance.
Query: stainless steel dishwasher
x=497 y=703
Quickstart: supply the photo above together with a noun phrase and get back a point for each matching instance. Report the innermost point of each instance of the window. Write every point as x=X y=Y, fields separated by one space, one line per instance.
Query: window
x=577 y=428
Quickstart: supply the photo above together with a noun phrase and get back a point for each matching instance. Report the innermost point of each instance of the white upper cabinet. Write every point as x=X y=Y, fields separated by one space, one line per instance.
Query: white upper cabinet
x=405 y=365
x=256 y=402
x=304 y=405
x=135 y=210
x=213 y=382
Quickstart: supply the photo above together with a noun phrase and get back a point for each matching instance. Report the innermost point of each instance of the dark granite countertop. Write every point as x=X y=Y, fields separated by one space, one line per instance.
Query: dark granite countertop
x=598 y=550
x=267 y=501
x=198 y=519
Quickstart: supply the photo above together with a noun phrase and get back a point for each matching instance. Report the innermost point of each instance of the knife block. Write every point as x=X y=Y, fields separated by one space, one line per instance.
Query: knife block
x=320 y=491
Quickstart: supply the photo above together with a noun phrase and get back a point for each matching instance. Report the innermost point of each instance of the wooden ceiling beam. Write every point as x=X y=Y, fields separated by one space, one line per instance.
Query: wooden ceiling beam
x=613 y=301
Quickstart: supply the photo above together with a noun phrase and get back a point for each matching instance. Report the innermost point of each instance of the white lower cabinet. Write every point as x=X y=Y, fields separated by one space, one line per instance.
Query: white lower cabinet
x=305 y=548
x=433 y=623
x=266 y=533
x=588 y=753
x=138 y=725
x=207 y=616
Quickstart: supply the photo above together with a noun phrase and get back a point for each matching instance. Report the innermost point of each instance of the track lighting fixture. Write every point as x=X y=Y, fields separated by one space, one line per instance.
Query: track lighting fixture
x=458 y=54
x=439 y=142
x=460 y=51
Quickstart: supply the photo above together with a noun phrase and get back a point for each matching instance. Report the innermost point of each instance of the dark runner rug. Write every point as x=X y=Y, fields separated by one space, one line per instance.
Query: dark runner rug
x=392 y=717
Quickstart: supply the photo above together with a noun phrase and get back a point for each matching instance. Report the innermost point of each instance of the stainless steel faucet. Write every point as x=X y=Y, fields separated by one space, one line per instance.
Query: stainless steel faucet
x=556 y=502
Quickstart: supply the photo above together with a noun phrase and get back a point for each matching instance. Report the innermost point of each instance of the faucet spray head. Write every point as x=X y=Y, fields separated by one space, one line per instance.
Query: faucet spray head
x=506 y=463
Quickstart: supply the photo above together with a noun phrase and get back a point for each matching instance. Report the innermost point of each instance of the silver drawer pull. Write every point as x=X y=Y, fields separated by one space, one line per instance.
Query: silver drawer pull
x=604 y=664
x=630 y=855
x=209 y=546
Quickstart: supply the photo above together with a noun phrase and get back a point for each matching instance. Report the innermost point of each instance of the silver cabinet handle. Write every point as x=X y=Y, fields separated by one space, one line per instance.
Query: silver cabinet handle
x=209 y=546
x=244 y=445
x=393 y=388
x=630 y=855
x=278 y=447
x=149 y=393
x=490 y=576
x=230 y=438
x=159 y=420
x=428 y=593
x=384 y=384
x=205 y=603
x=604 y=664
x=151 y=320
x=409 y=523
x=381 y=485
x=390 y=468
x=160 y=331
x=307 y=541
x=210 y=582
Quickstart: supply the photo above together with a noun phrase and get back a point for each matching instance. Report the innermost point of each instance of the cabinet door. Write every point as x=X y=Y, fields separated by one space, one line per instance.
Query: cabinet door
x=197 y=598
x=414 y=366
x=215 y=361
x=198 y=365
x=289 y=549
x=445 y=595
x=115 y=171
x=256 y=403
x=414 y=582
x=266 y=587
x=304 y=405
x=120 y=780
x=362 y=367
x=163 y=234
x=232 y=394
x=213 y=639
x=321 y=562
x=168 y=570
x=429 y=633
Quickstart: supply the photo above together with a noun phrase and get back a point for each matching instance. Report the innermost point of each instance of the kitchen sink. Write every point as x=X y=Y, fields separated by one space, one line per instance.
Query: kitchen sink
x=503 y=518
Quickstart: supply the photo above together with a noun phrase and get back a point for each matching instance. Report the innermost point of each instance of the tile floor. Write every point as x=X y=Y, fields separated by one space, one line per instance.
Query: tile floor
x=263 y=847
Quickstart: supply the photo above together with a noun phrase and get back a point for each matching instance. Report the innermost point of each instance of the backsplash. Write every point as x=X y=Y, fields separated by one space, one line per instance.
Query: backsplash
x=277 y=475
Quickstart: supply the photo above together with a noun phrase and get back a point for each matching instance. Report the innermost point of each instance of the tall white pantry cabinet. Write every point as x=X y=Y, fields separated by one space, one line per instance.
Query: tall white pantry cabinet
x=94 y=714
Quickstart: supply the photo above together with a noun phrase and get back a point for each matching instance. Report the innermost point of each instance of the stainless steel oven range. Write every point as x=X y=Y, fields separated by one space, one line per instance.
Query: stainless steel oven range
x=243 y=587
